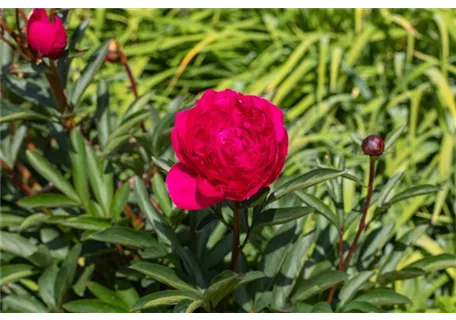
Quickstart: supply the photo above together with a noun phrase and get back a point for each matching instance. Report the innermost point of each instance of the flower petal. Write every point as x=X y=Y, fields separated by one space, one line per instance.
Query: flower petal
x=182 y=187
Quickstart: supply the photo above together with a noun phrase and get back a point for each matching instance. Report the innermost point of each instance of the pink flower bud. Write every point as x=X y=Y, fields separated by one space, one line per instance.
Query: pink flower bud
x=373 y=145
x=46 y=38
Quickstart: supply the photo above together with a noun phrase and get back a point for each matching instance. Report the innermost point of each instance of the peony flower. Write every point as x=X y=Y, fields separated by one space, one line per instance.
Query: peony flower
x=46 y=38
x=229 y=145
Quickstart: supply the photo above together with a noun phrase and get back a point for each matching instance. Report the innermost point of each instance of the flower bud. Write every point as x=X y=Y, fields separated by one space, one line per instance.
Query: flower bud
x=113 y=52
x=373 y=145
x=46 y=38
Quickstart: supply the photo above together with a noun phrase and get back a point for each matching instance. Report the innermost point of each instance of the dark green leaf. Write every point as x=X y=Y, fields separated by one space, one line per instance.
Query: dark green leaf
x=162 y=298
x=414 y=192
x=435 y=263
x=103 y=114
x=319 y=206
x=66 y=275
x=120 y=201
x=365 y=307
x=352 y=285
x=92 y=306
x=13 y=272
x=33 y=221
x=306 y=180
x=47 y=200
x=281 y=215
x=41 y=165
x=78 y=163
x=46 y=285
x=163 y=164
x=14 y=113
x=164 y=275
x=407 y=273
x=160 y=192
x=321 y=307
x=221 y=286
x=125 y=236
x=383 y=297
x=317 y=284
x=23 y=303
x=94 y=64
x=81 y=284
x=83 y=222
x=105 y=295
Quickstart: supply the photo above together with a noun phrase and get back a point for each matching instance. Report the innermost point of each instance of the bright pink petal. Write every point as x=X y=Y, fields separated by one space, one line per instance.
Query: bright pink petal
x=182 y=187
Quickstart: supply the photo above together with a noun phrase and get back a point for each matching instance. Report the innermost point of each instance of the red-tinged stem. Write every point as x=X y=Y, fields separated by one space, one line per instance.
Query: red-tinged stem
x=18 y=182
x=124 y=61
x=236 y=237
x=362 y=224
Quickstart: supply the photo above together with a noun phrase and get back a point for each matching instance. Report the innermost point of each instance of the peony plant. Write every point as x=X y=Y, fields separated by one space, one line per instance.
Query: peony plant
x=187 y=208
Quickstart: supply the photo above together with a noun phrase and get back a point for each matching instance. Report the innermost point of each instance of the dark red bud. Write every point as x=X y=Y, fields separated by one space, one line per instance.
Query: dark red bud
x=113 y=52
x=373 y=145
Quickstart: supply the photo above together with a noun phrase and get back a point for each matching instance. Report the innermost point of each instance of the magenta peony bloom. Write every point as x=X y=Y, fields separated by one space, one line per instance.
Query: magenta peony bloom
x=44 y=37
x=230 y=146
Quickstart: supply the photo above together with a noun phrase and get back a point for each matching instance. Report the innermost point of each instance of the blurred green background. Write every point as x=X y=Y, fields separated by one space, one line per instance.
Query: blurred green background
x=338 y=74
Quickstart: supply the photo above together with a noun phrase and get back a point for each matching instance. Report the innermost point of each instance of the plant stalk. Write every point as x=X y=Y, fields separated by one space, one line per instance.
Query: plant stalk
x=236 y=237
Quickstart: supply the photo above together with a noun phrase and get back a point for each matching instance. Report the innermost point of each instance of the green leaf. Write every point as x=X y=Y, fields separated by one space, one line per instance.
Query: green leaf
x=40 y=164
x=23 y=303
x=103 y=114
x=78 y=163
x=275 y=216
x=383 y=297
x=361 y=306
x=319 y=206
x=8 y=220
x=251 y=276
x=125 y=129
x=101 y=181
x=413 y=192
x=160 y=192
x=394 y=136
x=47 y=200
x=386 y=190
x=306 y=180
x=187 y=306
x=125 y=236
x=14 y=113
x=407 y=273
x=162 y=228
x=105 y=295
x=352 y=285
x=164 y=275
x=46 y=285
x=22 y=247
x=33 y=221
x=291 y=268
x=92 y=67
x=81 y=284
x=13 y=272
x=322 y=307
x=92 y=306
x=221 y=286
x=435 y=263
x=66 y=275
x=162 y=298
x=154 y=252
x=84 y=222
x=163 y=164
x=119 y=201
x=317 y=284
x=127 y=292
